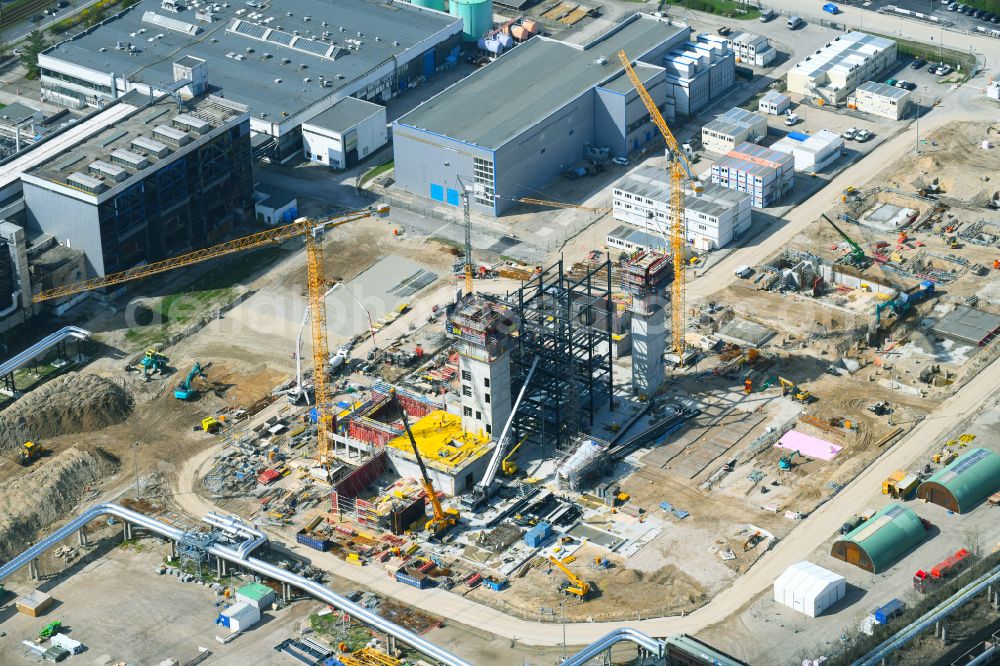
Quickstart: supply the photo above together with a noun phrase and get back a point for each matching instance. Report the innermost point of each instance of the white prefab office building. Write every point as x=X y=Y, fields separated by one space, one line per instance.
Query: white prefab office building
x=835 y=70
x=714 y=217
x=809 y=588
x=774 y=103
x=811 y=151
x=881 y=100
x=346 y=133
x=731 y=128
x=752 y=49
x=763 y=173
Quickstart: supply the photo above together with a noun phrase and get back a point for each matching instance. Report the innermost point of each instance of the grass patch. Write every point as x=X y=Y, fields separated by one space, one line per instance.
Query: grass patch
x=382 y=168
x=962 y=63
x=210 y=290
x=356 y=636
x=726 y=8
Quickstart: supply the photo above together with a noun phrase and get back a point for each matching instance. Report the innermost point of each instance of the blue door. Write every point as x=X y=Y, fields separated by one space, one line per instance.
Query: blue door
x=437 y=192
x=429 y=64
x=649 y=135
x=635 y=144
x=452 y=197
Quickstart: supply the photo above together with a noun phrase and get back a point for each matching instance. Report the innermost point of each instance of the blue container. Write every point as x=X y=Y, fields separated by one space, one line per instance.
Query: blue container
x=798 y=136
x=537 y=535
x=885 y=613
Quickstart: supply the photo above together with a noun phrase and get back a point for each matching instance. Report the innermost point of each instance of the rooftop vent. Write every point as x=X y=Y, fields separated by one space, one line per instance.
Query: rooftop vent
x=171 y=135
x=82 y=181
x=150 y=147
x=101 y=169
x=129 y=159
x=190 y=123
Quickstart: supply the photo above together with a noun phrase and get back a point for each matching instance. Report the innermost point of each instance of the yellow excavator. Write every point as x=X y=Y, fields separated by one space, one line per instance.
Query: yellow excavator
x=791 y=388
x=443 y=519
x=574 y=584
x=509 y=465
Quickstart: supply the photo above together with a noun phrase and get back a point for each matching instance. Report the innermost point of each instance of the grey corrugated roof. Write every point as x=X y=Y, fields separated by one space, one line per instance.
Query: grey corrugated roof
x=16 y=113
x=345 y=114
x=531 y=82
x=652 y=182
x=251 y=80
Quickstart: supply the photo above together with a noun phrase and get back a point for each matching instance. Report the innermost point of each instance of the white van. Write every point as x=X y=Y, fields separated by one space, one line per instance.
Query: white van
x=767 y=15
x=793 y=22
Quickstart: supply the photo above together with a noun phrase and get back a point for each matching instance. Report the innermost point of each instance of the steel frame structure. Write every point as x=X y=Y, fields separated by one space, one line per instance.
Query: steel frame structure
x=566 y=324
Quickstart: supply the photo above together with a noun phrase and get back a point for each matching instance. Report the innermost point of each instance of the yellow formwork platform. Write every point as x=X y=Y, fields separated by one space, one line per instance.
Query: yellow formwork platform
x=442 y=442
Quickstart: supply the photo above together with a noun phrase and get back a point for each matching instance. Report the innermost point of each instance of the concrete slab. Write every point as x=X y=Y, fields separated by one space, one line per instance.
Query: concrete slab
x=969 y=325
x=745 y=333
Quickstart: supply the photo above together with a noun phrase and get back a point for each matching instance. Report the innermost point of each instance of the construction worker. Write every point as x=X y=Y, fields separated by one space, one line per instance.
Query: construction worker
x=996 y=264
x=748 y=386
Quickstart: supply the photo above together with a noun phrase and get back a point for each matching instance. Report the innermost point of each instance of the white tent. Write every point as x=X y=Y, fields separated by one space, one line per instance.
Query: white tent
x=809 y=588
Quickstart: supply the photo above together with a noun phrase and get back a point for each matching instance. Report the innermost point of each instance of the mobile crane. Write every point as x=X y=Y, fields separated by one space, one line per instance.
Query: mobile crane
x=312 y=230
x=857 y=255
x=443 y=519
x=573 y=584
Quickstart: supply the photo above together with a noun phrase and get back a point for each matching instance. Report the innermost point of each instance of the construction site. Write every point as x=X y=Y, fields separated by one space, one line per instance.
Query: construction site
x=341 y=441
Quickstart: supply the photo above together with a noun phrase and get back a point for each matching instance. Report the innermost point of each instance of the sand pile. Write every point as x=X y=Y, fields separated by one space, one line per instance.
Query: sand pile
x=48 y=492
x=68 y=404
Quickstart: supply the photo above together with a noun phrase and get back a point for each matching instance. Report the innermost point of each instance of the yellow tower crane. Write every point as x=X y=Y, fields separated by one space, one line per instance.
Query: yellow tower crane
x=313 y=231
x=680 y=170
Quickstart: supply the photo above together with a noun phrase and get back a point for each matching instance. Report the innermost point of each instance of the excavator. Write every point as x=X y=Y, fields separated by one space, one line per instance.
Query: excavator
x=153 y=362
x=785 y=462
x=509 y=465
x=574 y=584
x=443 y=519
x=797 y=393
x=856 y=255
x=184 y=390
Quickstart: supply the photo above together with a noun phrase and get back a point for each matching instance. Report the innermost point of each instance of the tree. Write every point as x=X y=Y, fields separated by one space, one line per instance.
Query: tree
x=33 y=45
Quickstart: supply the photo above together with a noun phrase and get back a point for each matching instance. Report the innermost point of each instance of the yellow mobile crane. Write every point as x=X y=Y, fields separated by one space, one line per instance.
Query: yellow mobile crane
x=443 y=518
x=312 y=230
x=574 y=584
x=680 y=170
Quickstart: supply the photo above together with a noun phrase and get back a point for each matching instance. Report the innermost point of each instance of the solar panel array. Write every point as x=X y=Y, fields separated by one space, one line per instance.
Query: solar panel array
x=265 y=34
x=963 y=464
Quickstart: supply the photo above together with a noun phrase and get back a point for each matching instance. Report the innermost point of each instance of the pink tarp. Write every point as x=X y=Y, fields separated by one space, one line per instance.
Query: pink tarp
x=807 y=445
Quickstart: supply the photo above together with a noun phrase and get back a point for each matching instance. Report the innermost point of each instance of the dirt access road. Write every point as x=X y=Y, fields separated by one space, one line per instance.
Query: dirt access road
x=810 y=534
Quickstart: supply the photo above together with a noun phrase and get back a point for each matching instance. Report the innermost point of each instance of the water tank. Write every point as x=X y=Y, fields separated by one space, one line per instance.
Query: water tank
x=430 y=4
x=476 y=15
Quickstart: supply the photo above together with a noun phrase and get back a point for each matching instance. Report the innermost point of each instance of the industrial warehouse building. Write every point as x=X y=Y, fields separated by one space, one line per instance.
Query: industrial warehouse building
x=345 y=134
x=752 y=49
x=162 y=180
x=881 y=100
x=774 y=103
x=514 y=125
x=714 y=216
x=877 y=543
x=286 y=65
x=763 y=173
x=811 y=152
x=732 y=128
x=965 y=482
x=809 y=588
x=698 y=72
x=835 y=70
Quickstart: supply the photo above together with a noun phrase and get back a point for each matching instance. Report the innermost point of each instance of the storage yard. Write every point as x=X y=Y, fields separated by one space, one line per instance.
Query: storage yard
x=414 y=424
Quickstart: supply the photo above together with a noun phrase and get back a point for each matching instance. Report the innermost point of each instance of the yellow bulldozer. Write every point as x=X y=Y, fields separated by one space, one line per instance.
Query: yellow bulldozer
x=29 y=453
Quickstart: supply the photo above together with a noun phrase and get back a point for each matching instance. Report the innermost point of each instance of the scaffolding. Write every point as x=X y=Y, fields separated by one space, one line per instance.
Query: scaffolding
x=192 y=550
x=566 y=322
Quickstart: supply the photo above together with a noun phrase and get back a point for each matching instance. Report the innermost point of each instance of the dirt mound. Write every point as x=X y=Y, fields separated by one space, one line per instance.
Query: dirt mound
x=68 y=404
x=47 y=493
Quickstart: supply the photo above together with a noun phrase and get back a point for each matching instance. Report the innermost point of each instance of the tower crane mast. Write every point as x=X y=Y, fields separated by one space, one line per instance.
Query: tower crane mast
x=680 y=170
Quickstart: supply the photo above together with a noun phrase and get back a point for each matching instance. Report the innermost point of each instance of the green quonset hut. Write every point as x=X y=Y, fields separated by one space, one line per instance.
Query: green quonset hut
x=966 y=482
x=876 y=544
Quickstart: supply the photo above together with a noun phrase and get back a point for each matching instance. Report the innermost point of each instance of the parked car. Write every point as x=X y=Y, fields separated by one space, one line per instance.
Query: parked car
x=953 y=7
x=942 y=69
x=767 y=15
x=620 y=161
x=63 y=4
x=744 y=272
x=907 y=85
x=890 y=82
x=791 y=119
x=36 y=18
x=977 y=13
x=831 y=8
x=849 y=134
x=794 y=22
x=918 y=63
x=862 y=136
